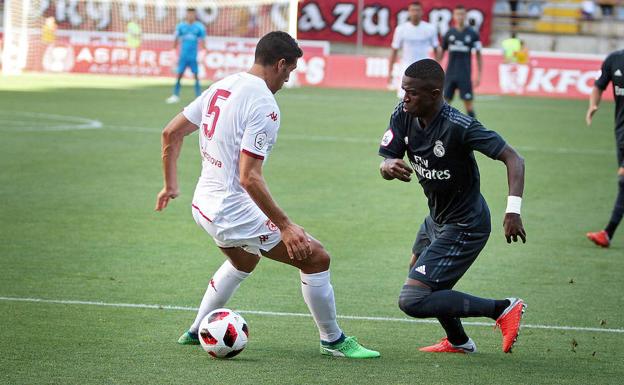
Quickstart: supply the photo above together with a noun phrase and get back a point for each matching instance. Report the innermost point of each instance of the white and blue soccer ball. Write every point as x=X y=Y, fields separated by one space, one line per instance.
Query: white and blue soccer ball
x=223 y=333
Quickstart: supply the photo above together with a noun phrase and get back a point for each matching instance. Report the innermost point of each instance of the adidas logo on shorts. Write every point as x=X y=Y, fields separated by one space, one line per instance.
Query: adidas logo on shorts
x=421 y=270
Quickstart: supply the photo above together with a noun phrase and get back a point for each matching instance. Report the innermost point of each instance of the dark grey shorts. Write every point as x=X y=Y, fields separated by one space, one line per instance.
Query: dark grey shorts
x=445 y=252
x=463 y=84
x=620 y=154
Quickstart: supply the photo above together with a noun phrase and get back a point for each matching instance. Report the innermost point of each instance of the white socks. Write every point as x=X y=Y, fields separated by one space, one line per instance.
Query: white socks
x=223 y=284
x=317 y=291
x=318 y=294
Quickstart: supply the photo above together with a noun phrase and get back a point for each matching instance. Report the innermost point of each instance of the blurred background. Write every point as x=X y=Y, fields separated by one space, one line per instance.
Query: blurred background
x=346 y=43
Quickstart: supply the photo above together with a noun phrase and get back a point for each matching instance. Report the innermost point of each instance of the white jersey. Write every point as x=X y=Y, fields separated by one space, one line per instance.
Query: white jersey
x=414 y=41
x=236 y=114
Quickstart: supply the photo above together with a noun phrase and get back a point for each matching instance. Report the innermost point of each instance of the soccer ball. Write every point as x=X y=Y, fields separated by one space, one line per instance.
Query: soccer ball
x=223 y=333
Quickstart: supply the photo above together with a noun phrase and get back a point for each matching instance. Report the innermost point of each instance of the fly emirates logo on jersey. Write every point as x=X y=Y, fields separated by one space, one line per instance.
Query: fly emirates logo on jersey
x=421 y=166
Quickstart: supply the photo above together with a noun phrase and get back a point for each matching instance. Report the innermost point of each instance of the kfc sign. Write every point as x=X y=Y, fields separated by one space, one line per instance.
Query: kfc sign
x=522 y=79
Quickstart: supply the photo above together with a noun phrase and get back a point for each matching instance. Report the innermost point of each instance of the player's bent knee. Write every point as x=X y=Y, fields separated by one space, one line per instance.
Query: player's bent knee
x=246 y=266
x=318 y=261
x=410 y=298
x=241 y=260
x=321 y=260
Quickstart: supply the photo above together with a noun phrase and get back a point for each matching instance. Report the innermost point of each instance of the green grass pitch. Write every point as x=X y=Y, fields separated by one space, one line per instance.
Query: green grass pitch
x=80 y=170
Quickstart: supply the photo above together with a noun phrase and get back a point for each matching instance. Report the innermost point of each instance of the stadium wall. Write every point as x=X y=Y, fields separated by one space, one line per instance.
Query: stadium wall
x=337 y=21
x=547 y=74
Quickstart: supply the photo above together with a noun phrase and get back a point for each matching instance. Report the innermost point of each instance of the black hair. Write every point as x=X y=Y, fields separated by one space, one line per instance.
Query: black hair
x=190 y=9
x=428 y=70
x=460 y=6
x=416 y=3
x=275 y=46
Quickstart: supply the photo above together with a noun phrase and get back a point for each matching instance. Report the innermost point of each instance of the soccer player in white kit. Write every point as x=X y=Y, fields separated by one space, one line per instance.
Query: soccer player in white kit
x=414 y=38
x=238 y=120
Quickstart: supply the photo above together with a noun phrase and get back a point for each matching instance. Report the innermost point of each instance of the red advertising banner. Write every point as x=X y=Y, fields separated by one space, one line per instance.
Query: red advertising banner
x=223 y=57
x=337 y=20
x=546 y=74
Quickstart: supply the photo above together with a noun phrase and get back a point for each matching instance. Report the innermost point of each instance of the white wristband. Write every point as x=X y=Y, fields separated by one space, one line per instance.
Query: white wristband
x=513 y=204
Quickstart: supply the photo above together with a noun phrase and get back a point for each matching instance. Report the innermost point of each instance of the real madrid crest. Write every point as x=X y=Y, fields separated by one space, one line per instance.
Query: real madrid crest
x=438 y=149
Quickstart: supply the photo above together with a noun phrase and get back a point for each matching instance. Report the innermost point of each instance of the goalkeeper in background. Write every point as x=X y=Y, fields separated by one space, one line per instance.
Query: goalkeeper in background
x=190 y=32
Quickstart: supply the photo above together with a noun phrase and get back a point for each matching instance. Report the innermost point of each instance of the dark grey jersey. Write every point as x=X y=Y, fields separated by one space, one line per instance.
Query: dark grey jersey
x=460 y=45
x=613 y=71
x=442 y=157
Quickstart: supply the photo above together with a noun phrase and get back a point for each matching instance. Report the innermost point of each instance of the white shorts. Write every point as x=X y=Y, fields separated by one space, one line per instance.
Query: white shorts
x=252 y=233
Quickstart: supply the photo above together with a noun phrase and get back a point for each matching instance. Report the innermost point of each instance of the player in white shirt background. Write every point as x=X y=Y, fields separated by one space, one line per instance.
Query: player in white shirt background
x=238 y=120
x=414 y=38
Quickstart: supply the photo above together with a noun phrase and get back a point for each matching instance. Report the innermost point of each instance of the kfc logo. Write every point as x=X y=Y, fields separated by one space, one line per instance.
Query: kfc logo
x=520 y=79
x=512 y=78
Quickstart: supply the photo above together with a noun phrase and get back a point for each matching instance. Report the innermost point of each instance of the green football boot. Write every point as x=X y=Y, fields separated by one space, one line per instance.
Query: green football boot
x=349 y=348
x=188 y=338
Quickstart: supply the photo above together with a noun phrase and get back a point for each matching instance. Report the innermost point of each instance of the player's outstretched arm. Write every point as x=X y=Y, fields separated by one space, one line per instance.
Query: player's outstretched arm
x=515 y=177
x=594 y=103
x=172 y=137
x=391 y=168
x=294 y=236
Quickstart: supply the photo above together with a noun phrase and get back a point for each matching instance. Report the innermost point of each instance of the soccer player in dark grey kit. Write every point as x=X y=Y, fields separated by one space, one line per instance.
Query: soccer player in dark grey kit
x=460 y=41
x=439 y=142
x=612 y=71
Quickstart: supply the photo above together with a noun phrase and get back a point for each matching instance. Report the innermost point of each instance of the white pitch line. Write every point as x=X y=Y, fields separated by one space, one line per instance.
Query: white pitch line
x=39 y=122
x=347 y=139
x=286 y=314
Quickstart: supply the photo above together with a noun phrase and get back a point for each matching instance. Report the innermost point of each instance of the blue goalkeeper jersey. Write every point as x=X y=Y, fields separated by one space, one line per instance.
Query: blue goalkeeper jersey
x=189 y=34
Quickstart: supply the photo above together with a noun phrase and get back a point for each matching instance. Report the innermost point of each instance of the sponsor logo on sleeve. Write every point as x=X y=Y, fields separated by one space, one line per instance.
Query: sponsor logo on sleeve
x=617 y=72
x=273 y=116
x=260 y=140
x=387 y=138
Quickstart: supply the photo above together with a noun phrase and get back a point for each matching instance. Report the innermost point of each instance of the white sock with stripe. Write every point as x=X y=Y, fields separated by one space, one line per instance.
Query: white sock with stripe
x=318 y=294
x=221 y=287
